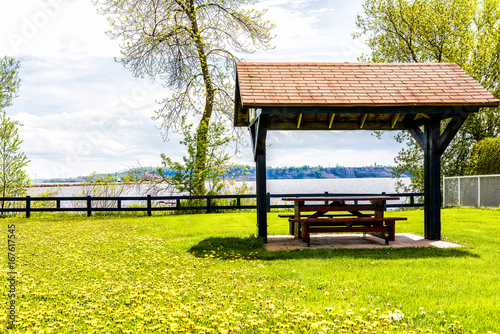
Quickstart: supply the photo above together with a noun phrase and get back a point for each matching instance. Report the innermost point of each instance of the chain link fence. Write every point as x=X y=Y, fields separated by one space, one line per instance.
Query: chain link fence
x=477 y=190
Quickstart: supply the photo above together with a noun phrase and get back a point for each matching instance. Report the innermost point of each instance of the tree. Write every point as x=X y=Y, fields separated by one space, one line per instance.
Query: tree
x=13 y=179
x=9 y=81
x=192 y=46
x=185 y=178
x=466 y=32
x=485 y=157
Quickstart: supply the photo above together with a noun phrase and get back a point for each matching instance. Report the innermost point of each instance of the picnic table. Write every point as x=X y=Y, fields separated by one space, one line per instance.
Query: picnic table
x=341 y=214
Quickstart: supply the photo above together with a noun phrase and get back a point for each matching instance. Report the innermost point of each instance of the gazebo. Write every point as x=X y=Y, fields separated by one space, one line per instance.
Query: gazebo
x=358 y=96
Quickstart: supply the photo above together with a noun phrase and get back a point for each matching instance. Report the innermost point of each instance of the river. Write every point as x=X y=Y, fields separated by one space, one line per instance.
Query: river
x=305 y=186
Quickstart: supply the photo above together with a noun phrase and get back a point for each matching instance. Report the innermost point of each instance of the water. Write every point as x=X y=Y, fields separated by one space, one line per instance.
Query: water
x=304 y=186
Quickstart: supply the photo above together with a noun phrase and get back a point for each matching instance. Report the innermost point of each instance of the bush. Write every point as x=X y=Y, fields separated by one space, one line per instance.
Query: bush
x=485 y=157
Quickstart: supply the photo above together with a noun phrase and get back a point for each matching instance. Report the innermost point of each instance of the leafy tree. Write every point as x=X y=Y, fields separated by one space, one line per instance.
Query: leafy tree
x=9 y=81
x=466 y=32
x=186 y=177
x=485 y=157
x=13 y=179
x=192 y=46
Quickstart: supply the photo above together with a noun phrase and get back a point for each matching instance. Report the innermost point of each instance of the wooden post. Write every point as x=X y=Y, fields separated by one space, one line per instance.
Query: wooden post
x=149 y=205
x=261 y=190
x=89 y=207
x=258 y=133
x=209 y=205
x=28 y=206
x=432 y=183
x=434 y=143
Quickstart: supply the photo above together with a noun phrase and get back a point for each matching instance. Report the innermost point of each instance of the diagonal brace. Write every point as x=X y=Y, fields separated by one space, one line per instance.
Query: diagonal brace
x=258 y=134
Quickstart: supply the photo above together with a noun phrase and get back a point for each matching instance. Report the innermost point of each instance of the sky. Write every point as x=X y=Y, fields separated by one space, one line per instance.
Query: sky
x=82 y=112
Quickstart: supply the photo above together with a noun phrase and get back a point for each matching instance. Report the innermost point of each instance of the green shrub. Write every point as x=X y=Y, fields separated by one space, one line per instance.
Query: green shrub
x=485 y=157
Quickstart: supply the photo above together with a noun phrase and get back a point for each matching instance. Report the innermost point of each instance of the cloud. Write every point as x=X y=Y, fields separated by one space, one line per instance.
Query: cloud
x=82 y=112
x=313 y=30
x=54 y=28
x=73 y=114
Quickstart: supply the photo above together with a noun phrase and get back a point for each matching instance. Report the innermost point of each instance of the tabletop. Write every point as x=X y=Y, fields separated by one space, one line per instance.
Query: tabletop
x=356 y=198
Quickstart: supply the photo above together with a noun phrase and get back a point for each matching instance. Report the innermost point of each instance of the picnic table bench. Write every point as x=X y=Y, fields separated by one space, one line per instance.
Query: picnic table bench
x=353 y=217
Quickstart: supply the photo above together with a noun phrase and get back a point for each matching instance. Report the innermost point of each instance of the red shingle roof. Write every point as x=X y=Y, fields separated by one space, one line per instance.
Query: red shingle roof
x=359 y=84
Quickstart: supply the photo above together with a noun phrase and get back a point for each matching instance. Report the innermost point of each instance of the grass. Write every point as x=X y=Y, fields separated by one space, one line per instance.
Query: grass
x=205 y=273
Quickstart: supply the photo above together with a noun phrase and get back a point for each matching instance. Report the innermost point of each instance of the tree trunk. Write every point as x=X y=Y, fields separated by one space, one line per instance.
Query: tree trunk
x=202 y=131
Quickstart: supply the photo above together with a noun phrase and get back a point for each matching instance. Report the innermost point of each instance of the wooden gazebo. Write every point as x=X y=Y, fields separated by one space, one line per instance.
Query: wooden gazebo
x=358 y=96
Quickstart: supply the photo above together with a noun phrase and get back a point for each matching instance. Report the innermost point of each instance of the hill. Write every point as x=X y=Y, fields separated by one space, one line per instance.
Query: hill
x=246 y=173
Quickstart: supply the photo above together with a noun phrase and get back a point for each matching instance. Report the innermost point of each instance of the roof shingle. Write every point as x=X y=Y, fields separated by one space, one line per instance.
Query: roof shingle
x=359 y=84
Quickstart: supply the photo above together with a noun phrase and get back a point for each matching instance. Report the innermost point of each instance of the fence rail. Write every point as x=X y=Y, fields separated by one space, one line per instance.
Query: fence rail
x=172 y=203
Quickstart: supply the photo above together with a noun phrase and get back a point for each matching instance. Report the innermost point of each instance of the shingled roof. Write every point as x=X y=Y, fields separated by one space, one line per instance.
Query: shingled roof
x=355 y=85
x=344 y=84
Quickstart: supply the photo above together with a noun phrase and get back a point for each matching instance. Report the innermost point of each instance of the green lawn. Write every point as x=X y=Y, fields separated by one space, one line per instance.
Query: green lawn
x=204 y=273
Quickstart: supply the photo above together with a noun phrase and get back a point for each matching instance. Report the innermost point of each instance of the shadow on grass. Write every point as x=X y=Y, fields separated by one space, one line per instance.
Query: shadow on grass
x=252 y=248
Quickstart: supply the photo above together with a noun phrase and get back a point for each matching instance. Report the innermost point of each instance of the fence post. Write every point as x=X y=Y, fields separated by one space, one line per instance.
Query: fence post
x=478 y=191
x=268 y=202
x=89 y=207
x=149 y=205
x=58 y=204
x=459 y=195
x=28 y=206
x=444 y=192
x=209 y=204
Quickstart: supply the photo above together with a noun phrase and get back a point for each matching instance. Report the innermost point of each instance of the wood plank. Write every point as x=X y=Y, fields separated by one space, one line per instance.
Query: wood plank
x=346 y=199
x=332 y=117
x=363 y=120
x=363 y=220
x=395 y=119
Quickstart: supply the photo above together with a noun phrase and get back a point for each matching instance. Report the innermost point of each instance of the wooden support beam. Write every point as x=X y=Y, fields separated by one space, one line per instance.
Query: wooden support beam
x=258 y=134
x=395 y=119
x=432 y=181
x=261 y=190
x=363 y=120
x=332 y=117
x=420 y=115
x=451 y=130
x=299 y=120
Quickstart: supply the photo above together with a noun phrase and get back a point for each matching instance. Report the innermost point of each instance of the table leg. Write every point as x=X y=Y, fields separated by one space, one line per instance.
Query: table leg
x=296 y=227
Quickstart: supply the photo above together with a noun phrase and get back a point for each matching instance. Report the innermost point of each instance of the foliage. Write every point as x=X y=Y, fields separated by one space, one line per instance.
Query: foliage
x=9 y=81
x=13 y=178
x=187 y=178
x=460 y=31
x=485 y=157
x=202 y=273
x=46 y=194
x=98 y=186
x=192 y=46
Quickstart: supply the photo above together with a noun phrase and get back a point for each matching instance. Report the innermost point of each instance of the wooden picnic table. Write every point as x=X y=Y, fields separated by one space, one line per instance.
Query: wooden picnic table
x=349 y=216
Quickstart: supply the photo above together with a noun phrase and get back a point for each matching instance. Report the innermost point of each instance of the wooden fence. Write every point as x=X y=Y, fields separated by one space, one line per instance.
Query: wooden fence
x=151 y=204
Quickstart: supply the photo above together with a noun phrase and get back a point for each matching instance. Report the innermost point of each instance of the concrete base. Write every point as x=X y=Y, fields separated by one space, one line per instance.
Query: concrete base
x=287 y=242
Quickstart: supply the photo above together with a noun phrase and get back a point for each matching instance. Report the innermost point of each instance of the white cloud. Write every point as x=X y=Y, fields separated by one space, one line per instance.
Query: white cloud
x=313 y=30
x=54 y=27
x=82 y=112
